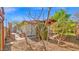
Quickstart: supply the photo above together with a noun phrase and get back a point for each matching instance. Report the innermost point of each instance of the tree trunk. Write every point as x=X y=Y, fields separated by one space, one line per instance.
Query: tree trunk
x=77 y=32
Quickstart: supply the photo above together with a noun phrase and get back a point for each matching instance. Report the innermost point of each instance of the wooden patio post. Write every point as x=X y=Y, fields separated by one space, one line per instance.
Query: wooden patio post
x=3 y=35
x=10 y=29
x=2 y=28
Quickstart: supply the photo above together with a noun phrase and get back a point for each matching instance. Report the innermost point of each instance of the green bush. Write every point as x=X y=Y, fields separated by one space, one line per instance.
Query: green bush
x=64 y=24
x=41 y=31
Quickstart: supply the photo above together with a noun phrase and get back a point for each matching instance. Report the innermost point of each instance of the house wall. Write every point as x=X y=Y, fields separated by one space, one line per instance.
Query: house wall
x=29 y=30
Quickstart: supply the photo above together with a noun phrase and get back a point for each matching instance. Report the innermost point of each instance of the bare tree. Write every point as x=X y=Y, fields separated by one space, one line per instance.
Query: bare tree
x=49 y=10
x=37 y=18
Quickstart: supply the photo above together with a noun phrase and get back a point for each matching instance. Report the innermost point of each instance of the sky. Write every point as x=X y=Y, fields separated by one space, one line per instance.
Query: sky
x=13 y=14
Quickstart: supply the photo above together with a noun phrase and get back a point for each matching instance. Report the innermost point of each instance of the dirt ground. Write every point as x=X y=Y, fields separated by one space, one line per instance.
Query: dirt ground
x=71 y=44
x=38 y=46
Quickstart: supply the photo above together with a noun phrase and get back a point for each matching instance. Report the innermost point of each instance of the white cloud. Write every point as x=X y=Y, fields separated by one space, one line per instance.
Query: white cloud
x=9 y=9
x=62 y=8
x=19 y=18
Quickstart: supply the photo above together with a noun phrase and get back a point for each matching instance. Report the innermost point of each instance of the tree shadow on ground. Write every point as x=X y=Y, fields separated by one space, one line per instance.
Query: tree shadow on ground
x=7 y=45
x=72 y=39
x=69 y=43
